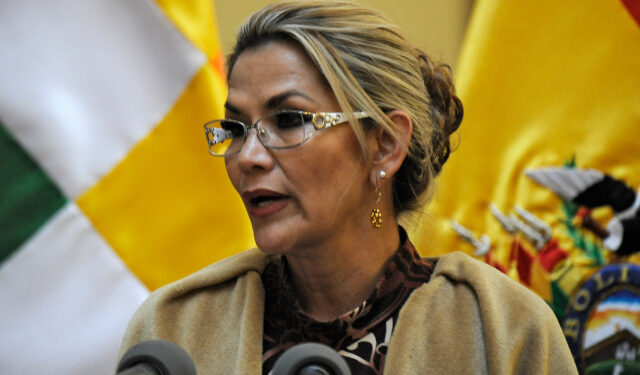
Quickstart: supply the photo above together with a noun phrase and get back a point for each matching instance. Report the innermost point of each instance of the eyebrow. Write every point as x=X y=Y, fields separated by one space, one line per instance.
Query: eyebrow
x=272 y=103
x=277 y=100
x=231 y=108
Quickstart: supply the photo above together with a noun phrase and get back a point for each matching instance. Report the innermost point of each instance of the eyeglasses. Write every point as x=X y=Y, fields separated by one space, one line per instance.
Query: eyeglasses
x=277 y=130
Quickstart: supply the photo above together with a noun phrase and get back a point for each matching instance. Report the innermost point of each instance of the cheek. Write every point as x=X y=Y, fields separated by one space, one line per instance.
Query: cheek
x=328 y=181
x=232 y=172
x=306 y=178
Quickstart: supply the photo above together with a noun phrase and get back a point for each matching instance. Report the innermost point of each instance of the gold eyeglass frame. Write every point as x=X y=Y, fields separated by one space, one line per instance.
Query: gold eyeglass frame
x=319 y=120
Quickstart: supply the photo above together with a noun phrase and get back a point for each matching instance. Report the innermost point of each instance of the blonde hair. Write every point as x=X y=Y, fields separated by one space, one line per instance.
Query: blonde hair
x=370 y=67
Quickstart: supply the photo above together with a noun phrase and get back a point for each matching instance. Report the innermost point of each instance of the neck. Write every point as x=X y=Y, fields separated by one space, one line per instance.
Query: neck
x=336 y=277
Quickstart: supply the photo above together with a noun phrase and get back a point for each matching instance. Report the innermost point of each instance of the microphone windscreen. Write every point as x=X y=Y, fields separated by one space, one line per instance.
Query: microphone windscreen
x=311 y=358
x=164 y=356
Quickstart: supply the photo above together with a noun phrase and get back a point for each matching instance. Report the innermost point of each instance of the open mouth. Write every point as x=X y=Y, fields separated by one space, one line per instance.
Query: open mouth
x=264 y=201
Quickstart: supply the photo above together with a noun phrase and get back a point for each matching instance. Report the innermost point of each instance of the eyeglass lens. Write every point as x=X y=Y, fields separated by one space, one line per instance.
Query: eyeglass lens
x=277 y=130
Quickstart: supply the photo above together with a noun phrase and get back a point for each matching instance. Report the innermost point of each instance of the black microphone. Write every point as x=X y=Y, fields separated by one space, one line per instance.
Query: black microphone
x=311 y=359
x=156 y=357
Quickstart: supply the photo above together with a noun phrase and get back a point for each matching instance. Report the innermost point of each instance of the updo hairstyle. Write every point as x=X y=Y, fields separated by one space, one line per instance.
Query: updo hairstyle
x=370 y=67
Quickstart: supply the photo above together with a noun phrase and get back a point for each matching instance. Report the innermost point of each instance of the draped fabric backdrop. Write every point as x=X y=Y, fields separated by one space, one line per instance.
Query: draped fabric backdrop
x=106 y=187
x=546 y=85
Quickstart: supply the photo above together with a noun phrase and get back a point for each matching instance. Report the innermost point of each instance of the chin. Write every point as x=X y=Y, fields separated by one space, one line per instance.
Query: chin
x=271 y=247
x=273 y=241
x=281 y=236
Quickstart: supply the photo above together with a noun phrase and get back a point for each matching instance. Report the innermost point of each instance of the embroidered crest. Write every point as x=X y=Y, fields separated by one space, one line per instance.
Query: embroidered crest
x=602 y=326
x=584 y=266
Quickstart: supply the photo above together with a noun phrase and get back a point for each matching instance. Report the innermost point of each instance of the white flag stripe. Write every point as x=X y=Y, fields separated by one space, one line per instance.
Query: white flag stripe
x=81 y=82
x=65 y=300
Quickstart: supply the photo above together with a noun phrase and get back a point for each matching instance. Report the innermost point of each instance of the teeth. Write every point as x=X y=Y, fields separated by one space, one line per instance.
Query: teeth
x=265 y=203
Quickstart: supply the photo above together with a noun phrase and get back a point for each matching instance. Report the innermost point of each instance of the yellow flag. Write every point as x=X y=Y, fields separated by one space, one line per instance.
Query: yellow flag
x=545 y=84
x=168 y=209
x=544 y=183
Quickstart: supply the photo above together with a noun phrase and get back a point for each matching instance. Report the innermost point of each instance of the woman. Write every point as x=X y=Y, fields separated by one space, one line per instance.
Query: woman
x=334 y=126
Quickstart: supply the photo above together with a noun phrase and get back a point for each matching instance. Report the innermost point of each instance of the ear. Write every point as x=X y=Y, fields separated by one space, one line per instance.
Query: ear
x=390 y=151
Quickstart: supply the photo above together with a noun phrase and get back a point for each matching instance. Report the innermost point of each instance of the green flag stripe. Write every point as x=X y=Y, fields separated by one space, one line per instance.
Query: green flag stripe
x=28 y=197
x=560 y=300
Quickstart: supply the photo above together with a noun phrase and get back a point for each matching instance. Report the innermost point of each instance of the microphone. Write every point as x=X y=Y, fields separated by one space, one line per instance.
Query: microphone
x=311 y=359
x=156 y=357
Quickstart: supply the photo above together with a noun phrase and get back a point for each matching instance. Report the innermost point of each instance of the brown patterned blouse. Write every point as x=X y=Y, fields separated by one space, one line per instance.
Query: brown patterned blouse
x=360 y=336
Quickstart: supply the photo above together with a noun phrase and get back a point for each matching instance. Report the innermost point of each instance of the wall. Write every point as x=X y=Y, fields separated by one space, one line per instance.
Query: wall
x=435 y=26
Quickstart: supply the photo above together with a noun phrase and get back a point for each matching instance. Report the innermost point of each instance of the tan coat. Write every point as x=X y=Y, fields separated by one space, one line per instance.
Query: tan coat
x=469 y=319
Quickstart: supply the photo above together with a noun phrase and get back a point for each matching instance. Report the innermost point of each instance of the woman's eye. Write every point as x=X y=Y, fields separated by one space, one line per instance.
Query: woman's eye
x=236 y=129
x=307 y=119
x=289 y=120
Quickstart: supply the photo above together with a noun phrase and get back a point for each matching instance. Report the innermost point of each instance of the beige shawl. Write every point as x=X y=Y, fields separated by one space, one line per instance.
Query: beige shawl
x=468 y=319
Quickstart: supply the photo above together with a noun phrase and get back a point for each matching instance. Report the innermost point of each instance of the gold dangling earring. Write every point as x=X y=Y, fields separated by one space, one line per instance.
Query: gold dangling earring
x=376 y=215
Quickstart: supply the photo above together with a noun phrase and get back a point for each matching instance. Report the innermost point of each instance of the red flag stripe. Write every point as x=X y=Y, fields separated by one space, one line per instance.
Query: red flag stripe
x=633 y=6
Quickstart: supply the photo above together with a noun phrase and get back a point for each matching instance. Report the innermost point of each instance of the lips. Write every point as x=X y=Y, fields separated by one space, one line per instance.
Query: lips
x=264 y=202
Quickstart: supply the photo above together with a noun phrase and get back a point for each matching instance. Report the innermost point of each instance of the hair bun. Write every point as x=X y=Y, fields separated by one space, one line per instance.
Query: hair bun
x=446 y=108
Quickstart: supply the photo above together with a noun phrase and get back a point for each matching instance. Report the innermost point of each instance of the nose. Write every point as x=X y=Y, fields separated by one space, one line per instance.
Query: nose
x=253 y=156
